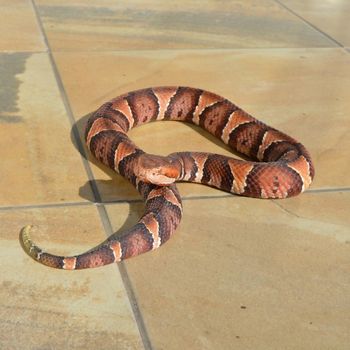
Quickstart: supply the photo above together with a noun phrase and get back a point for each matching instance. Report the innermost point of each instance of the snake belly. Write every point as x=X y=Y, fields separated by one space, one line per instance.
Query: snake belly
x=280 y=166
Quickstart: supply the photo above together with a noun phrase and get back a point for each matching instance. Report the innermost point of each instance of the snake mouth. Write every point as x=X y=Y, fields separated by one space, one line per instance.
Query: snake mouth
x=159 y=179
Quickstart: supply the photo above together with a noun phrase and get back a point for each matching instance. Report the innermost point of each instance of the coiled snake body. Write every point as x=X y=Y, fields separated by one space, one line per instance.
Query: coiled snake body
x=281 y=167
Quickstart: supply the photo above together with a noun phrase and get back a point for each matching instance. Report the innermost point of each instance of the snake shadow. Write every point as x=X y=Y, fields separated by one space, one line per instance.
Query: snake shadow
x=95 y=190
x=90 y=190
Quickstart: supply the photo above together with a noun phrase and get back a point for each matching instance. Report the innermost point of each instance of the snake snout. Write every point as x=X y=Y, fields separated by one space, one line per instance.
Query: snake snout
x=157 y=170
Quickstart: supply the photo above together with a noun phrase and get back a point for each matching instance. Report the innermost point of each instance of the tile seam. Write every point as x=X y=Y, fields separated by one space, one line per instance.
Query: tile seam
x=68 y=109
x=203 y=49
x=323 y=190
x=128 y=201
x=45 y=206
x=101 y=209
x=127 y=284
x=29 y=52
x=339 y=44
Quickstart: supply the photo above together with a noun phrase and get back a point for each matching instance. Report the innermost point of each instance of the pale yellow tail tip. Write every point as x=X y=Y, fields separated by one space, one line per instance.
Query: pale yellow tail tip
x=25 y=233
x=26 y=240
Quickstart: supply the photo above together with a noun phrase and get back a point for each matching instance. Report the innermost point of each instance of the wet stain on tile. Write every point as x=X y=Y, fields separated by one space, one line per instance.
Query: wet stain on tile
x=68 y=13
x=11 y=119
x=10 y=66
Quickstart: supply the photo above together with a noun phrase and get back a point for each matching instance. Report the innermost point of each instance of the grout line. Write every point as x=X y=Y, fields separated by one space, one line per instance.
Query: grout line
x=68 y=109
x=136 y=51
x=128 y=201
x=101 y=209
x=45 y=205
x=310 y=24
x=213 y=49
x=127 y=284
x=34 y=52
x=328 y=190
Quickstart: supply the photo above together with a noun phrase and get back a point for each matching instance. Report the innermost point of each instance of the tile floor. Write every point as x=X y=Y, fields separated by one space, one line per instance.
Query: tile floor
x=239 y=273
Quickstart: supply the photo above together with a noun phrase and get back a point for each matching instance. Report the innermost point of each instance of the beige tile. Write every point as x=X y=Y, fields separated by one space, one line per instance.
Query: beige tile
x=81 y=25
x=39 y=163
x=19 y=27
x=303 y=92
x=44 y=308
x=332 y=17
x=248 y=274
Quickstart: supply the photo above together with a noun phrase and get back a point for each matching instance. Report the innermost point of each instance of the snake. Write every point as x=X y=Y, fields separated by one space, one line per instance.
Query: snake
x=275 y=165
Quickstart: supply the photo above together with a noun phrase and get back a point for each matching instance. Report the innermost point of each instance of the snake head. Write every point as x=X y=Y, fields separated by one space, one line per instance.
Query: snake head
x=157 y=170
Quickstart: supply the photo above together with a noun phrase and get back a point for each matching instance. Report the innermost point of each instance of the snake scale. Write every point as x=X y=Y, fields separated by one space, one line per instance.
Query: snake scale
x=280 y=166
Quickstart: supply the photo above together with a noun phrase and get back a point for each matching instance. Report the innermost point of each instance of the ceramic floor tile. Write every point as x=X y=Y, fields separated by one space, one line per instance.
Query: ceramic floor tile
x=240 y=272
x=19 y=27
x=138 y=25
x=332 y=17
x=44 y=308
x=39 y=163
x=303 y=92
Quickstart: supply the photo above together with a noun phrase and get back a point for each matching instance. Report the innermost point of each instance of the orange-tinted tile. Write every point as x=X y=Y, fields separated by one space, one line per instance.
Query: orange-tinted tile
x=42 y=307
x=284 y=88
x=240 y=272
x=78 y=25
x=19 y=27
x=332 y=17
x=39 y=163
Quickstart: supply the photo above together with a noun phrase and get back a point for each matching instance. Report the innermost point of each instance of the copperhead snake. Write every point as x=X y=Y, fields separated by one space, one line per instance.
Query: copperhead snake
x=281 y=167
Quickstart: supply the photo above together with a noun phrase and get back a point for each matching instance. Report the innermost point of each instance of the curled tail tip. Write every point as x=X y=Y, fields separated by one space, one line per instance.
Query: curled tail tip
x=25 y=235
x=55 y=261
x=37 y=253
x=29 y=247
